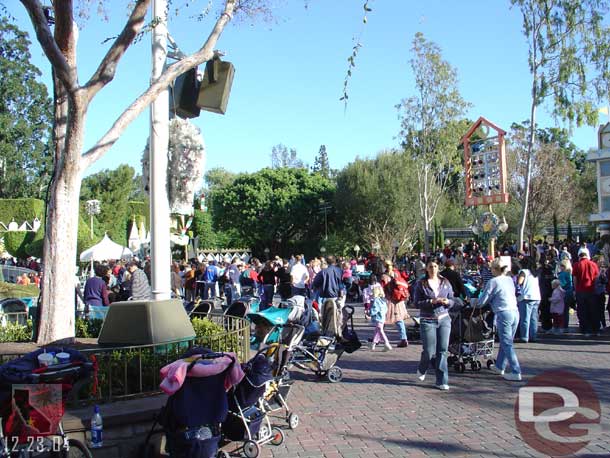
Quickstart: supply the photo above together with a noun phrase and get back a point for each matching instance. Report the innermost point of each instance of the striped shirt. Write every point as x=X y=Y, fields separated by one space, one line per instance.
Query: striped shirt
x=140 y=289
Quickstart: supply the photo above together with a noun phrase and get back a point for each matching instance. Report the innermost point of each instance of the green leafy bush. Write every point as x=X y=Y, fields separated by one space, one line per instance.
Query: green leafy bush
x=14 y=332
x=88 y=328
x=213 y=336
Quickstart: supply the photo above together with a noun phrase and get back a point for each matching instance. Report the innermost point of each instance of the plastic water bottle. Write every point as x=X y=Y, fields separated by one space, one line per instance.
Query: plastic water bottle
x=97 y=428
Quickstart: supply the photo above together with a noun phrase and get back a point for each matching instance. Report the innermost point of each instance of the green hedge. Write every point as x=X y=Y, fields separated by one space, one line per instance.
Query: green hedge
x=21 y=210
x=141 y=211
x=18 y=243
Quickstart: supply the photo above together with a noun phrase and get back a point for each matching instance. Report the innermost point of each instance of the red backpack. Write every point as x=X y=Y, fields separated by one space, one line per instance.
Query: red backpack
x=400 y=290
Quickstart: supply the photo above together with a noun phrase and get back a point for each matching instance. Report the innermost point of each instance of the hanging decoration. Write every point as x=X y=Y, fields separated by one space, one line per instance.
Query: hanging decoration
x=186 y=163
x=488 y=226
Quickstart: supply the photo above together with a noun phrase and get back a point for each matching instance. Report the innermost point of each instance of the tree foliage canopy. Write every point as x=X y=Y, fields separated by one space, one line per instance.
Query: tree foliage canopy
x=274 y=208
x=376 y=200
x=568 y=55
x=25 y=119
x=113 y=188
x=552 y=176
x=431 y=127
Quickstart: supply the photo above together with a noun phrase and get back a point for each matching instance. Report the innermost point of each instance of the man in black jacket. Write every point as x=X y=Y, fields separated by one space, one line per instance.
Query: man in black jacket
x=454 y=278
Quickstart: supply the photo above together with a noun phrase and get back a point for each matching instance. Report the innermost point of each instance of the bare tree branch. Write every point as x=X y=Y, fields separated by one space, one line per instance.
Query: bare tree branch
x=205 y=53
x=66 y=74
x=107 y=68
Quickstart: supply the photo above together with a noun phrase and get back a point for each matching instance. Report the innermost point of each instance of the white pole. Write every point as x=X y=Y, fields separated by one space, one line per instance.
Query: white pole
x=160 y=256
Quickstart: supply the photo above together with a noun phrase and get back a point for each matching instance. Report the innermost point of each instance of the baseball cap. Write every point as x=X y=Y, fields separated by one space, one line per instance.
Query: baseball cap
x=583 y=252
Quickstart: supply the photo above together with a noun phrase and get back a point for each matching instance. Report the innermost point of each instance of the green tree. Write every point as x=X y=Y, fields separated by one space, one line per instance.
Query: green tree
x=113 y=189
x=431 y=128
x=25 y=119
x=568 y=62
x=202 y=229
x=282 y=157
x=375 y=201
x=551 y=188
x=274 y=208
x=218 y=177
x=321 y=164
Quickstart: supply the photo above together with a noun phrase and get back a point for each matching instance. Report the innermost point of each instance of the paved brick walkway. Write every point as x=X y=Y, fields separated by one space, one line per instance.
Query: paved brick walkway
x=379 y=410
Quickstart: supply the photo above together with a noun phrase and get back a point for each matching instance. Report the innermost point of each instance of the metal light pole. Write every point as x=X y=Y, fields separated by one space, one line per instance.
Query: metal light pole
x=92 y=208
x=160 y=255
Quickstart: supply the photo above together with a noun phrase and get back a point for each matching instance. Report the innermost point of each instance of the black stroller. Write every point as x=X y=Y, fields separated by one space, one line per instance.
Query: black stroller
x=247 y=420
x=472 y=338
x=192 y=416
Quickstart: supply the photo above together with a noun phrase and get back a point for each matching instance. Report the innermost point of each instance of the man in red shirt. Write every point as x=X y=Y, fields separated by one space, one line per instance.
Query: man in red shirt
x=585 y=272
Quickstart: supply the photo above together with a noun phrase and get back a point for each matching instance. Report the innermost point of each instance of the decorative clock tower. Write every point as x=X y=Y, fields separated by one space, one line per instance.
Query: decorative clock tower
x=601 y=157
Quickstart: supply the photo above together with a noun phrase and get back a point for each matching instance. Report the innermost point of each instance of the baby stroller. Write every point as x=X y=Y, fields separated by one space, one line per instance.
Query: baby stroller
x=247 y=420
x=268 y=323
x=472 y=338
x=198 y=402
x=32 y=402
x=276 y=396
x=320 y=351
x=242 y=306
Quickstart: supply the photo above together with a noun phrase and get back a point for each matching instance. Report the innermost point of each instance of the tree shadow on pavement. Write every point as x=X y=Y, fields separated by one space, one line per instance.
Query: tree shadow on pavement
x=428 y=446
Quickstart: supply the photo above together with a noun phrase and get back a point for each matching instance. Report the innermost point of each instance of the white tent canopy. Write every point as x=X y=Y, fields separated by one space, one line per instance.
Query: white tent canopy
x=134 y=241
x=106 y=249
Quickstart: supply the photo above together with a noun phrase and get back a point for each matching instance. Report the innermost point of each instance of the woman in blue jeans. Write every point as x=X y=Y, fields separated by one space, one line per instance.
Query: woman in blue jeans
x=499 y=293
x=434 y=297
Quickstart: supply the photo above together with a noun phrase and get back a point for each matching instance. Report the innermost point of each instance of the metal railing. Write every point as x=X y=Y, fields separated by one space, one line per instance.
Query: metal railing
x=133 y=371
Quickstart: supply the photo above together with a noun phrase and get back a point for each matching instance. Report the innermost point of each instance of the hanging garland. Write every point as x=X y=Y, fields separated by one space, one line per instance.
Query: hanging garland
x=185 y=165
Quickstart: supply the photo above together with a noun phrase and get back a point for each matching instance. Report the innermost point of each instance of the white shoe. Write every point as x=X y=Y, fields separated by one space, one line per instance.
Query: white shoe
x=442 y=387
x=512 y=377
x=373 y=345
x=496 y=370
x=387 y=347
x=421 y=377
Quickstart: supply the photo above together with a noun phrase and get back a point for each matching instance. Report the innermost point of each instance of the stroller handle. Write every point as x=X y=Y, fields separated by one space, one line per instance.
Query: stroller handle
x=349 y=309
x=59 y=372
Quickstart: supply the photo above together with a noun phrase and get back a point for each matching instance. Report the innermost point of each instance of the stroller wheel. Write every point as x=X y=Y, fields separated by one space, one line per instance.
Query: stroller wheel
x=293 y=420
x=334 y=375
x=251 y=449
x=490 y=362
x=277 y=436
x=264 y=433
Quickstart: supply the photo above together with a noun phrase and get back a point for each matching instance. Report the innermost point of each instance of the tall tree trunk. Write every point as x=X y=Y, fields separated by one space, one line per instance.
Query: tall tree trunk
x=56 y=317
x=532 y=132
x=528 y=172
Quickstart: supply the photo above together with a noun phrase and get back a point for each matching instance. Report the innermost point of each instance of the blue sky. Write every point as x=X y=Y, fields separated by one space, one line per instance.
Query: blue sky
x=289 y=76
